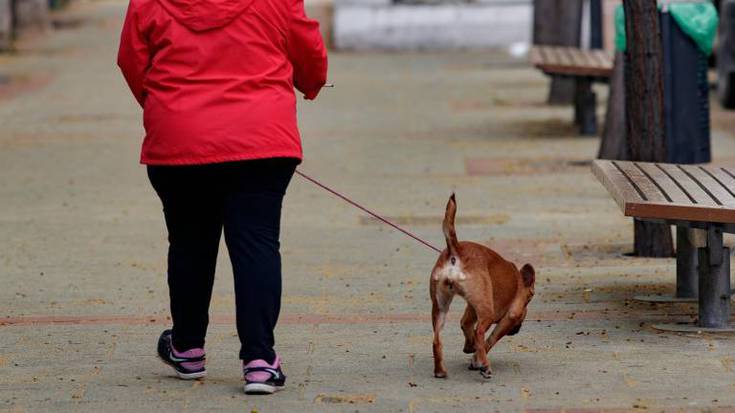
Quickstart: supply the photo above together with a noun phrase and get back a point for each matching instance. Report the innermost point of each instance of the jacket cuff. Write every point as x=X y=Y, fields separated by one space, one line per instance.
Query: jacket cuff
x=312 y=94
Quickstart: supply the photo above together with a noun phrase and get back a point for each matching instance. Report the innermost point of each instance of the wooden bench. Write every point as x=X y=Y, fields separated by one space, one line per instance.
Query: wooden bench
x=586 y=66
x=700 y=201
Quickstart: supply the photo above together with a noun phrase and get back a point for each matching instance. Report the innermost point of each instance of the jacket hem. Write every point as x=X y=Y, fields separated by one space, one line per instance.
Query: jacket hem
x=221 y=159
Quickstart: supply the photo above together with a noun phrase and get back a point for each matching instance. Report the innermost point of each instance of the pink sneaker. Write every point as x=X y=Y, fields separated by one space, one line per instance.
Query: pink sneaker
x=263 y=378
x=189 y=365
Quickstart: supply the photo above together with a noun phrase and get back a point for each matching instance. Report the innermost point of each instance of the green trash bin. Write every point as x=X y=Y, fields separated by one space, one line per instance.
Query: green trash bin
x=57 y=4
x=697 y=19
x=687 y=34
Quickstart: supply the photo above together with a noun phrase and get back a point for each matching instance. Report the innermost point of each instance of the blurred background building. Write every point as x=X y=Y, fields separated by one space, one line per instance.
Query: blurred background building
x=445 y=24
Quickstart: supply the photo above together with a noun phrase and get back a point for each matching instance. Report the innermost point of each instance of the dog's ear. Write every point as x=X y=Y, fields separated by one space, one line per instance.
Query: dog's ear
x=528 y=273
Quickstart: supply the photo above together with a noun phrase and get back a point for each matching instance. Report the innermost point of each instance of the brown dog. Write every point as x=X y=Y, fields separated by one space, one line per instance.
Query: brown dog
x=495 y=291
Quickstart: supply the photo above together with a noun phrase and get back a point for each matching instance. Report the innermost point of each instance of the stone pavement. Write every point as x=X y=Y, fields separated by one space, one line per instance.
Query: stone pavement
x=82 y=248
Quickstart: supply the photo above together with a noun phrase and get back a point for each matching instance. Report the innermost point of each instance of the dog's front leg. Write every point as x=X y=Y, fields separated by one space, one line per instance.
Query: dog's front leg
x=505 y=326
x=438 y=317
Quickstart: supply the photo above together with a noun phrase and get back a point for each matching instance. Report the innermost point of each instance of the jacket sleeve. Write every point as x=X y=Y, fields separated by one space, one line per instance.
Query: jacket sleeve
x=307 y=52
x=134 y=55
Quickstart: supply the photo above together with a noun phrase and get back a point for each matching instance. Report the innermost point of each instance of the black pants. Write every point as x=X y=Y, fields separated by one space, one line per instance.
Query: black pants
x=245 y=198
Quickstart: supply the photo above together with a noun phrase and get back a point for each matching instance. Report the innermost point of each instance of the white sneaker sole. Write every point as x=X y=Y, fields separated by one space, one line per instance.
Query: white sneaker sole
x=190 y=376
x=184 y=376
x=261 y=388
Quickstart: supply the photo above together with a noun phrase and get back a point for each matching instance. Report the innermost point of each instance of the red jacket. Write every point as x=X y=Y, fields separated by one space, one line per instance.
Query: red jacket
x=216 y=77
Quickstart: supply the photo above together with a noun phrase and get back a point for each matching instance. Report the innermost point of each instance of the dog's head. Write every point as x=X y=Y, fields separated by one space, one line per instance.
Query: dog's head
x=525 y=294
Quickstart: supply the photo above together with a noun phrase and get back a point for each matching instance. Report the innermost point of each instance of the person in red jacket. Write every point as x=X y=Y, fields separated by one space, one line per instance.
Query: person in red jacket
x=216 y=82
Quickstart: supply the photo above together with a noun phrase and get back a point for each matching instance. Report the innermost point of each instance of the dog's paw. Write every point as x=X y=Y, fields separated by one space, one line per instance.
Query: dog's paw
x=486 y=373
x=475 y=366
x=440 y=374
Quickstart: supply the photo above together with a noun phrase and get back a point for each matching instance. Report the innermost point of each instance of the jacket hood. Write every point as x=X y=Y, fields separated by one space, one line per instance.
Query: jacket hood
x=203 y=15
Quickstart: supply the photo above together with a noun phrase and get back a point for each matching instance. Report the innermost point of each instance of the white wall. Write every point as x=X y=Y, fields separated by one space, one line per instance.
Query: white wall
x=377 y=24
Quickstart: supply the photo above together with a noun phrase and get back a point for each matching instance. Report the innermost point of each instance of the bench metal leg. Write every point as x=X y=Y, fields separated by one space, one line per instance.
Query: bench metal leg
x=714 y=282
x=714 y=289
x=687 y=274
x=585 y=107
x=687 y=260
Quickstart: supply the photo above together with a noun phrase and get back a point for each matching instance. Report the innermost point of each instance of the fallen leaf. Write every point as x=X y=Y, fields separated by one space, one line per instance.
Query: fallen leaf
x=525 y=393
x=348 y=398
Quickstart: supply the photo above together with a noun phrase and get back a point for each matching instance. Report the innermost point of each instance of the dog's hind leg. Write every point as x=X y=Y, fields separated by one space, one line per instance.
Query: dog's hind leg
x=469 y=319
x=438 y=318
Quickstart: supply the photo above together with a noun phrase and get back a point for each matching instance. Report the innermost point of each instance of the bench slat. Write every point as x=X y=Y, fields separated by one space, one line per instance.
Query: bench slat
x=577 y=58
x=616 y=183
x=692 y=188
x=606 y=59
x=710 y=185
x=544 y=53
x=564 y=56
x=593 y=58
x=668 y=186
x=670 y=192
x=572 y=61
x=723 y=176
x=637 y=178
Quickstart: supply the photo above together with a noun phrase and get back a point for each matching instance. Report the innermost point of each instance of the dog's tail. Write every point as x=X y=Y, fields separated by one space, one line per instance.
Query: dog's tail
x=449 y=232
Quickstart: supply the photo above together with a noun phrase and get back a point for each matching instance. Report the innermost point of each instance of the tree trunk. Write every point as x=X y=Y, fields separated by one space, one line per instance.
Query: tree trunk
x=31 y=16
x=614 y=144
x=644 y=102
x=558 y=23
x=6 y=24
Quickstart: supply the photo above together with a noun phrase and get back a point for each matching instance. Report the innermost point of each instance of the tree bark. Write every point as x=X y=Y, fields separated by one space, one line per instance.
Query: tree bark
x=558 y=23
x=644 y=102
x=6 y=24
x=614 y=144
x=31 y=16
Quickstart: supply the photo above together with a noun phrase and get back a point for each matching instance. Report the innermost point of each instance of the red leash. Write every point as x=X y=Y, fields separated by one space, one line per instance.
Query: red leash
x=358 y=206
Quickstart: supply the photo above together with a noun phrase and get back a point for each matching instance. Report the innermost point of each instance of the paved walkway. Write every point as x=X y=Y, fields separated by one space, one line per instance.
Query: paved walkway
x=82 y=248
